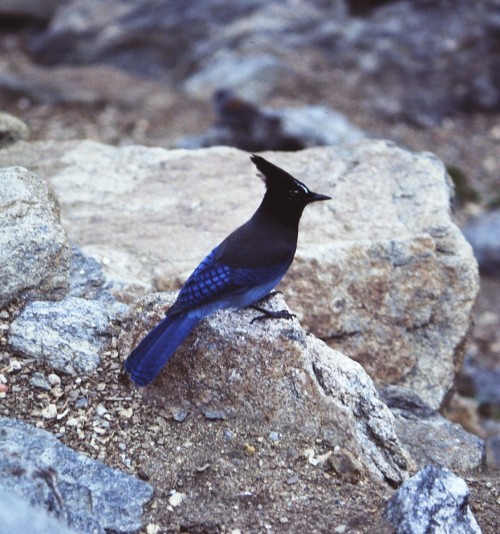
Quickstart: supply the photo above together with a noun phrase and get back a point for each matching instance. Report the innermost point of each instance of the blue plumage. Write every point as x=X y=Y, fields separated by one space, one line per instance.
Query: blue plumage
x=243 y=269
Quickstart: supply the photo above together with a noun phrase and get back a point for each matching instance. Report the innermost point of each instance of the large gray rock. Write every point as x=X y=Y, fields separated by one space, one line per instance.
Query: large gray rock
x=276 y=378
x=81 y=492
x=86 y=277
x=34 y=249
x=381 y=272
x=434 y=501
x=69 y=335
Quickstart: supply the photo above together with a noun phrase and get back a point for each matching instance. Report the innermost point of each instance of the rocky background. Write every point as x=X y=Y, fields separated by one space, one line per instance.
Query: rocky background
x=310 y=424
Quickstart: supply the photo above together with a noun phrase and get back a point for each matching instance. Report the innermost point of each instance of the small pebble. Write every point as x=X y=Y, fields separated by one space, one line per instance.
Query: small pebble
x=81 y=403
x=74 y=394
x=57 y=391
x=127 y=413
x=100 y=410
x=228 y=435
x=293 y=479
x=49 y=412
x=214 y=415
x=15 y=366
x=274 y=436
x=54 y=379
x=180 y=416
x=176 y=498
x=202 y=468
x=250 y=449
x=40 y=381
x=4 y=314
x=62 y=415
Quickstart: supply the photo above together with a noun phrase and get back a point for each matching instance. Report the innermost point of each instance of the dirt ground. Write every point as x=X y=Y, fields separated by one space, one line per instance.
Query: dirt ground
x=212 y=475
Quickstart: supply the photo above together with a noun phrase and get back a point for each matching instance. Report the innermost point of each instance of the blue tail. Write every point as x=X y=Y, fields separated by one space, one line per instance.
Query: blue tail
x=153 y=352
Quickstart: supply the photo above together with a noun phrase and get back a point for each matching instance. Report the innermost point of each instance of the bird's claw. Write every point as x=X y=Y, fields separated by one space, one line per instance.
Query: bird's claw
x=271 y=314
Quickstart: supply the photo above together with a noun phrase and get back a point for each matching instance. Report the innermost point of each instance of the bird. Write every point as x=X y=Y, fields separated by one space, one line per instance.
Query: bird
x=239 y=272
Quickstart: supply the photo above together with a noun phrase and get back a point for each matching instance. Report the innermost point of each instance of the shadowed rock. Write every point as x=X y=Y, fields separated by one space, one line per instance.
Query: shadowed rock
x=431 y=438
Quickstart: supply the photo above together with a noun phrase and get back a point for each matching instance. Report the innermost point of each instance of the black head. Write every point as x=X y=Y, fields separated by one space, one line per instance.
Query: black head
x=284 y=193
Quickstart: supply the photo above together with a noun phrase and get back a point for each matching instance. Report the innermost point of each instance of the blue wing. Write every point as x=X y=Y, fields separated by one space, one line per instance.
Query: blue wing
x=211 y=287
x=215 y=285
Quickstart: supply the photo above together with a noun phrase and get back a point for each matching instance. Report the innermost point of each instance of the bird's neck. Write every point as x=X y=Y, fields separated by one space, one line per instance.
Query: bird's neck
x=280 y=213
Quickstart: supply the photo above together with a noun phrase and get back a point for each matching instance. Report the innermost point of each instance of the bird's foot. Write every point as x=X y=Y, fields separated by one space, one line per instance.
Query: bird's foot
x=270 y=314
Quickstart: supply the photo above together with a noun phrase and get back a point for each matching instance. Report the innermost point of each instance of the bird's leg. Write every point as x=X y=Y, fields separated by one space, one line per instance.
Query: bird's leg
x=270 y=314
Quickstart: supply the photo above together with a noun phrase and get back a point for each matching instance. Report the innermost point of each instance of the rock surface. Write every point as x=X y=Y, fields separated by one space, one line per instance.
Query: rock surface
x=381 y=271
x=34 y=249
x=429 y=437
x=69 y=334
x=434 y=501
x=81 y=492
x=12 y=129
x=274 y=376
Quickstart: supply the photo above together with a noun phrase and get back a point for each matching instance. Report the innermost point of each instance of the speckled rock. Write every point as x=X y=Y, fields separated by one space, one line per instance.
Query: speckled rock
x=34 y=249
x=82 y=493
x=271 y=374
x=69 y=335
x=434 y=501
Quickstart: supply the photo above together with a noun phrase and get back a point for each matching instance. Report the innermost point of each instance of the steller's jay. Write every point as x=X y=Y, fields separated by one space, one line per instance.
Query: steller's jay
x=242 y=270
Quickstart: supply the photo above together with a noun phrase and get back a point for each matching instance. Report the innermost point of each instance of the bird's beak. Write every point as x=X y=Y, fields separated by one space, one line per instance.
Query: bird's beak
x=314 y=197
